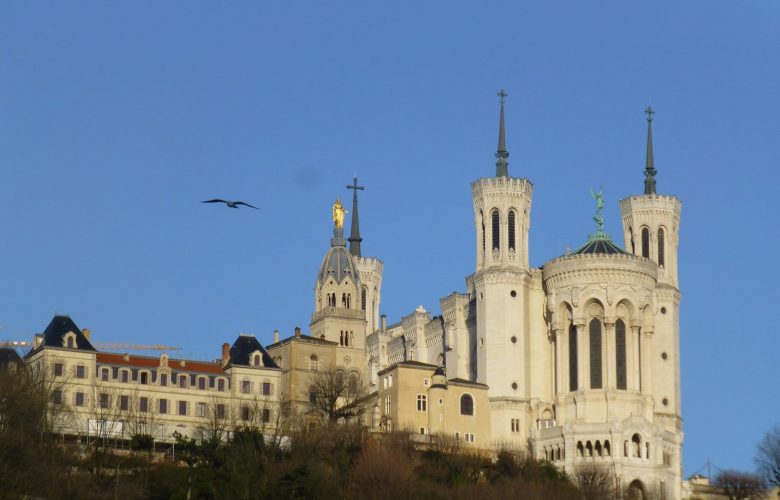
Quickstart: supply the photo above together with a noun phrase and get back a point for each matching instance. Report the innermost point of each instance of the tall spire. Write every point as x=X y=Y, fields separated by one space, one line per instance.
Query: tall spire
x=649 y=165
x=354 y=237
x=501 y=154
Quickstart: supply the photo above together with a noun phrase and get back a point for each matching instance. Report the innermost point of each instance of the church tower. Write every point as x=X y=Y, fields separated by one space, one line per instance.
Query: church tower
x=337 y=314
x=369 y=269
x=499 y=288
x=651 y=227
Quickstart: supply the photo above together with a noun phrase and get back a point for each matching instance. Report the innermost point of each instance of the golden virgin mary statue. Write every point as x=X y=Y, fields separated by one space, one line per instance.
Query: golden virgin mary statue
x=338 y=213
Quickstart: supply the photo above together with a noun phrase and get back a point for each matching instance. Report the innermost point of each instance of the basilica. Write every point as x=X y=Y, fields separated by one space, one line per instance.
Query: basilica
x=577 y=360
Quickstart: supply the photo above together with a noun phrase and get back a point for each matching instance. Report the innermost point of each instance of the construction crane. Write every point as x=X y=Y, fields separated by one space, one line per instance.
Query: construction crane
x=109 y=346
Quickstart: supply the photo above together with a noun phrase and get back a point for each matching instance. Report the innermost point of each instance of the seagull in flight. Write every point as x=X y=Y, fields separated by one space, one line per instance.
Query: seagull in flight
x=231 y=204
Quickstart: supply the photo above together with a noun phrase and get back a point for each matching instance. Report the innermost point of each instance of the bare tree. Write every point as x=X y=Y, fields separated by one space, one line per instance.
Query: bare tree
x=768 y=456
x=338 y=397
x=595 y=482
x=740 y=485
x=216 y=421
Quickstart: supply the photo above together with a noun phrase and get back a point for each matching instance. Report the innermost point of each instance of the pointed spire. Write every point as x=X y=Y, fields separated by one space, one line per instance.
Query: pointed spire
x=649 y=164
x=354 y=237
x=501 y=154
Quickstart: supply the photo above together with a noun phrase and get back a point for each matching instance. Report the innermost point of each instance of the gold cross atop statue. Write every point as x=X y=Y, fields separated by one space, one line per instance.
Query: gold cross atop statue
x=338 y=213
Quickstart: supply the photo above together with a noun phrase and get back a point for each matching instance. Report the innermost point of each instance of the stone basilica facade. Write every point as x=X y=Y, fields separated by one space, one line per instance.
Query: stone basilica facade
x=579 y=359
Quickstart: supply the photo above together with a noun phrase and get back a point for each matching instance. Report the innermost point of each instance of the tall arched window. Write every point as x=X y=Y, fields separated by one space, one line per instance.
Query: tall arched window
x=645 y=242
x=496 y=229
x=595 y=354
x=620 y=354
x=363 y=299
x=631 y=238
x=511 y=230
x=572 y=358
x=661 y=246
x=466 y=405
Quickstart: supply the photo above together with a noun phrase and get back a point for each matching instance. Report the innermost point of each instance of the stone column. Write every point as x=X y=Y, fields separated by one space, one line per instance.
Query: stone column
x=561 y=362
x=609 y=362
x=583 y=361
x=646 y=355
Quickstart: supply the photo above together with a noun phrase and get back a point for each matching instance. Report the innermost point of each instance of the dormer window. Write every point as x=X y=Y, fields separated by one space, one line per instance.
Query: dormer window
x=256 y=359
x=69 y=340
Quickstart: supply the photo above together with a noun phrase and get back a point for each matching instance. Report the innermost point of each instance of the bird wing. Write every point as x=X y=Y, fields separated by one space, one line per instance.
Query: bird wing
x=215 y=200
x=246 y=204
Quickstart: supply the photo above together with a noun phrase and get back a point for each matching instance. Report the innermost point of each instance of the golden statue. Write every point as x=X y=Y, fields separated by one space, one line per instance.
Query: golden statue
x=338 y=213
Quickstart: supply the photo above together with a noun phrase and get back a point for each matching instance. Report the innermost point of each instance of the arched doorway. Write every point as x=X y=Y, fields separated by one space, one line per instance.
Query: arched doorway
x=636 y=490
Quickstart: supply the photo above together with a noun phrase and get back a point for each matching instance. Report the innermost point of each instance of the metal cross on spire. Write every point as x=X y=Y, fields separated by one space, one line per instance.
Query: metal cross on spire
x=501 y=94
x=650 y=113
x=354 y=236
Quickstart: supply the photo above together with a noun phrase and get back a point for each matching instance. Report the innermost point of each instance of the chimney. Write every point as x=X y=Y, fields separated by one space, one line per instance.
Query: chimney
x=225 y=353
x=383 y=322
x=86 y=333
x=297 y=332
x=276 y=336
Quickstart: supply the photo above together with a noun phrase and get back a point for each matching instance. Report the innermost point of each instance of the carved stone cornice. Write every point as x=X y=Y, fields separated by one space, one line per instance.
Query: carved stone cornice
x=500 y=276
x=578 y=270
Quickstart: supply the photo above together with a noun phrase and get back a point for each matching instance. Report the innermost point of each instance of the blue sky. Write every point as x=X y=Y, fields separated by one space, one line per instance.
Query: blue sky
x=117 y=119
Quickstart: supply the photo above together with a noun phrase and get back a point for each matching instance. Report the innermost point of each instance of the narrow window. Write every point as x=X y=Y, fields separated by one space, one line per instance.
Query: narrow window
x=246 y=387
x=244 y=413
x=466 y=405
x=256 y=360
x=201 y=410
x=661 y=247
x=163 y=379
x=645 y=242
x=144 y=378
x=182 y=407
x=266 y=415
x=620 y=353
x=511 y=230
x=221 y=385
x=143 y=404
x=81 y=372
x=363 y=299
x=124 y=403
x=595 y=354
x=163 y=406
x=70 y=342
x=221 y=411
x=104 y=374
x=125 y=376
x=422 y=402
x=387 y=405
x=56 y=397
x=79 y=399
x=182 y=381
x=313 y=363
x=572 y=358
x=496 y=229
x=202 y=384
x=105 y=400
x=58 y=369
x=266 y=388
x=631 y=238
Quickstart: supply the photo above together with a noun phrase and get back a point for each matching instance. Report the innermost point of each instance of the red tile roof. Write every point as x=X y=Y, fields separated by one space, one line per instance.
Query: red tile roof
x=144 y=361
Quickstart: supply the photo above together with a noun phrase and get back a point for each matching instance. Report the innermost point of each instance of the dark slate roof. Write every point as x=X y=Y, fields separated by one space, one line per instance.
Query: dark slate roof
x=338 y=263
x=61 y=325
x=439 y=371
x=246 y=345
x=9 y=356
x=599 y=243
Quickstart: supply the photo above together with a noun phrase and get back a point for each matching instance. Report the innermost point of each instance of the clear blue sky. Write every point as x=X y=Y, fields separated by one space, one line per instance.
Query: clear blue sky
x=117 y=119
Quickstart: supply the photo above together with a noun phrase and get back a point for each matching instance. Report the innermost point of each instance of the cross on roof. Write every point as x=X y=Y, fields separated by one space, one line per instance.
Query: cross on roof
x=650 y=113
x=501 y=94
x=355 y=185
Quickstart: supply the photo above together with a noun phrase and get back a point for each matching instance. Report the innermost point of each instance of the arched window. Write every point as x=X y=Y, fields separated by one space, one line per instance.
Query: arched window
x=511 y=230
x=363 y=298
x=256 y=360
x=572 y=358
x=661 y=246
x=595 y=354
x=70 y=342
x=631 y=238
x=598 y=449
x=314 y=363
x=580 y=449
x=645 y=242
x=620 y=353
x=496 y=229
x=466 y=405
x=353 y=383
x=607 y=449
x=636 y=444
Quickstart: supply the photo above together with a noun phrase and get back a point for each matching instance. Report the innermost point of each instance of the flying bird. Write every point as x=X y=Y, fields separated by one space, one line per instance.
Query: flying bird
x=231 y=204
